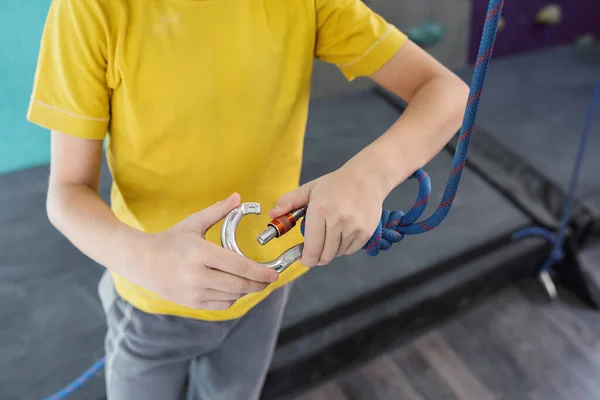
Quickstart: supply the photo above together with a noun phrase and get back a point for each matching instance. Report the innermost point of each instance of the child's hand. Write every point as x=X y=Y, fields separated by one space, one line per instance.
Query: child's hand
x=344 y=208
x=184 y=268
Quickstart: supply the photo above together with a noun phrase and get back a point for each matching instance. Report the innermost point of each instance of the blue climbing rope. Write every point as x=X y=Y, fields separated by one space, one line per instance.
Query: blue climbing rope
x=395 y=224
x=556 y=239
x=77 y=383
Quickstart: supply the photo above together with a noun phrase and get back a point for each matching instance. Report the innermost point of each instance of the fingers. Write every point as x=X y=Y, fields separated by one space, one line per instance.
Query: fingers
x=357 y=244
x=227 y=261
x=333 y=240
x=227 y=283
x=347 y=244
x=314 y=237
x=208 y=217
x=292 y=200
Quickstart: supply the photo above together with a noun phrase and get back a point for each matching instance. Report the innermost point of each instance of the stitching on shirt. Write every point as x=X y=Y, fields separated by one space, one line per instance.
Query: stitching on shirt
x=370 y=49
x=41 y=103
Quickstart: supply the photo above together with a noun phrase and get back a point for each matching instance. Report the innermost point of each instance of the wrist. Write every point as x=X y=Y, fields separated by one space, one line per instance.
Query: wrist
x=381 y=168
x=134 y=251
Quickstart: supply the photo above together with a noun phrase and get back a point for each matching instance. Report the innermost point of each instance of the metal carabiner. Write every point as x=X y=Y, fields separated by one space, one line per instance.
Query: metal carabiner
x=276 y=228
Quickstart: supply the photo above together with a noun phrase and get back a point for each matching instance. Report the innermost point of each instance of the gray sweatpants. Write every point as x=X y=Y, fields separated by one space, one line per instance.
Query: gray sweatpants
x=151 y=356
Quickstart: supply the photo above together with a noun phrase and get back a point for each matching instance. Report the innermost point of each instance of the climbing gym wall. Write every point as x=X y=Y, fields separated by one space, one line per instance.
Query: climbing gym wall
x=536 y=24
x=440 y=26
x=450 y=31
x=21 y=145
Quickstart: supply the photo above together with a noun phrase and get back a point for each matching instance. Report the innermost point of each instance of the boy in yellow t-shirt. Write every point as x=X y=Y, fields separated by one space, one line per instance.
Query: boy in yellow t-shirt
x=200 y=99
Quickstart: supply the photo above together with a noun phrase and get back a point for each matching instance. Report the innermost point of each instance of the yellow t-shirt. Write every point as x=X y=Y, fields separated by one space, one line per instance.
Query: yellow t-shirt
x=199 y=99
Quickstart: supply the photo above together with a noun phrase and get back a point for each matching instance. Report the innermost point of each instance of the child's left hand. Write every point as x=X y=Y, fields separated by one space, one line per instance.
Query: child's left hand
x=344 y=208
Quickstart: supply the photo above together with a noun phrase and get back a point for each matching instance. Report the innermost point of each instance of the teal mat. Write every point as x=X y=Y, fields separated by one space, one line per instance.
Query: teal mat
x=22 y=144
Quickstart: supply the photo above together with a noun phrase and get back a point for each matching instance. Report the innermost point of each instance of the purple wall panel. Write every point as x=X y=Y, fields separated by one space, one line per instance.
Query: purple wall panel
x=521 y=33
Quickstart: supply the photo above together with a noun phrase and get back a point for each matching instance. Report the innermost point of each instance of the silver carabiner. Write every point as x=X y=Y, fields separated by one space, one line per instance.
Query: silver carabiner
x=232 y=220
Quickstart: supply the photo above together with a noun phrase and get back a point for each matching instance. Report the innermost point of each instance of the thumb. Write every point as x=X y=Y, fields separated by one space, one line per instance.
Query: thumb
x=208 y=217
x=292 y=201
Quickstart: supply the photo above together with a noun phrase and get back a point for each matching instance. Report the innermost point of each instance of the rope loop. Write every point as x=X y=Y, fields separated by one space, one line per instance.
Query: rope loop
x=393 y=225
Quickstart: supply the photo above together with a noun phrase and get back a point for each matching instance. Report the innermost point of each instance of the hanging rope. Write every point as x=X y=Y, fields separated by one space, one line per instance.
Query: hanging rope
x=395 y=224
x=556 y=239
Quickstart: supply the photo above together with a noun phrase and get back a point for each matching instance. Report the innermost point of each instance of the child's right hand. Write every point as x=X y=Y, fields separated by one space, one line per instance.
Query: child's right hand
x=182 y=267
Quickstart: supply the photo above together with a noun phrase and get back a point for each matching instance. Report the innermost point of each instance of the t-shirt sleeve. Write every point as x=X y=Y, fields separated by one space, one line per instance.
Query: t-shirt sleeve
x=356 y=39
x=70 y=93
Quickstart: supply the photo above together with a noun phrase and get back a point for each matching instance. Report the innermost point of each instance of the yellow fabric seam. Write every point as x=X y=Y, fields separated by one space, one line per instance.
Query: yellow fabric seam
x=369 y=50
x=54 y=108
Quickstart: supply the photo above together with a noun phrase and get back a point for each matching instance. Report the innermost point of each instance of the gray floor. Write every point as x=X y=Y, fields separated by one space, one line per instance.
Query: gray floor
x=51 y=323
x=516 y=346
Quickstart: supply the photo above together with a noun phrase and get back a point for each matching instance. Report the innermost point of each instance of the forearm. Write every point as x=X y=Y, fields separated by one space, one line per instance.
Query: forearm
x=432 y=117
x=79 y=213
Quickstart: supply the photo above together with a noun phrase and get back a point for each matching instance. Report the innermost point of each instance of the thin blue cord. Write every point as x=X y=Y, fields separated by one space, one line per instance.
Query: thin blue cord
x=80 y=381
x=395 y=224
x=587 y=127
x=557 y=239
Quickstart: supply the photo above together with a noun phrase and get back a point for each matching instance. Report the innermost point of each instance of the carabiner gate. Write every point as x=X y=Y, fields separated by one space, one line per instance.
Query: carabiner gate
x=276 y=228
